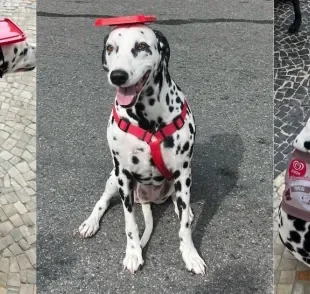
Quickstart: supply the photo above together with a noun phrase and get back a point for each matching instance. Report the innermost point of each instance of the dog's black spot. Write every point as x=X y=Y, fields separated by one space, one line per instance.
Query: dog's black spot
x=300 y=225
x=188 y=182
x=173 y=87
x=128 y=204
x=300 y=251
x=178 y=100
x=159 y=120
x=185 y=147
x=100 y=208
x=134 y=52
x=130 y=235
x=112 y=120
x=171 y=108
x=178 y=88
x=121 y=193
x=191 y=129
x=158 y=178
x=120 y=182
x=116 y=165
x=178 y=149
x=185 y=164
x=176 y=174
x=140 y=107
x=281 y=221
x=289 y=246
x=294 y=236
x=306 y=260
x=181 y=205
x=116 y=49
x=149 y=91
x=307 y=241
x=152 y=162
x=15 y=50
x=131 y=114
x=178 y=186
x=167 y=99
x=290 y=217
x=152 y=101
x=127 y=174
x=181 y=239
x=114 y=138
x=140 y=149
x=187 y=225
x=135 y=160
x=142 y=32
x=13 y=60
x=171 y=92
x=169 y=142
x=191 y=151
x=120 y=34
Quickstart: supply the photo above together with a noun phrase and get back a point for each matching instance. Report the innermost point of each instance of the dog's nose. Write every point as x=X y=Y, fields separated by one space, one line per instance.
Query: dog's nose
x=118 y=77
x=307 y=145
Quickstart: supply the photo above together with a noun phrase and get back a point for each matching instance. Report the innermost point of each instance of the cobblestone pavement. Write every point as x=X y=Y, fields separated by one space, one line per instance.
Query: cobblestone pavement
x=18 y=165
x=291 y=77
x=290 y=275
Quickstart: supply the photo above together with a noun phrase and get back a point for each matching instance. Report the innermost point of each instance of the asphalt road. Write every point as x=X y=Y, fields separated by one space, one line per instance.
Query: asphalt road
x=221 y=56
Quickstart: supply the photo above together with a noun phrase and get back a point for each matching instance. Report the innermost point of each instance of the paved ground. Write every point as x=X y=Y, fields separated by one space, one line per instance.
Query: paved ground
x=222 y=58
x=292 y=79
x=290 y=275
x=18 y=165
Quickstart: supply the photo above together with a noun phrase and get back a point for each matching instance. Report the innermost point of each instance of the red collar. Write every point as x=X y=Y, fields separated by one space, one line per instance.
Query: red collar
x=159 y=136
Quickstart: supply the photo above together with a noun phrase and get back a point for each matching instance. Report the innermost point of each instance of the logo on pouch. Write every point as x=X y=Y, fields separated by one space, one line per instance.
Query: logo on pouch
x=297 y=168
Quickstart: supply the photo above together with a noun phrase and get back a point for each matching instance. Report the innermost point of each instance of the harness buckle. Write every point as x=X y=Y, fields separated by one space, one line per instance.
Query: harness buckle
x=121 y=125
x=178 y=122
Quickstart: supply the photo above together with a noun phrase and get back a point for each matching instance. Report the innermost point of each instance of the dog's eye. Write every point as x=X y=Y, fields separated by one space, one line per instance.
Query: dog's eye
x=110 y=48
x=142 y=46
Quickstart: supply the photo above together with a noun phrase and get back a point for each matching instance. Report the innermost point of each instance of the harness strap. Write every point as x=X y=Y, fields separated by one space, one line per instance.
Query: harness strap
x=160 y=135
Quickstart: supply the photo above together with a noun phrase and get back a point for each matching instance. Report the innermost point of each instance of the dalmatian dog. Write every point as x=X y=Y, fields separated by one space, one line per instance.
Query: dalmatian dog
x=147 y=100
x=294 y=231
x=295 y=26
x=17 y=57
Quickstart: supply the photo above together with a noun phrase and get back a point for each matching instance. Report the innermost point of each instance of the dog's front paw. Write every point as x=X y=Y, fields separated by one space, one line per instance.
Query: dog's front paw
x=88 y=228
x=294 y=28
x=194 y=262
x=133 y=260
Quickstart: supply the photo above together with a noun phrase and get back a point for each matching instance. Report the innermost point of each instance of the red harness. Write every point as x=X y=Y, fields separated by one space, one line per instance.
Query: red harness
x=160 y=135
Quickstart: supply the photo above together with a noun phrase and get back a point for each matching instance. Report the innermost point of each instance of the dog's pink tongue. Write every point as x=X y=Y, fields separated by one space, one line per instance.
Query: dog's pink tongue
x=125 y=96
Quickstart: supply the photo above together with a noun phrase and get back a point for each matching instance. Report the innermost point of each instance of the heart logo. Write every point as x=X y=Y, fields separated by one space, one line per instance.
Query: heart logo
x=298 y=165
x=297 y=168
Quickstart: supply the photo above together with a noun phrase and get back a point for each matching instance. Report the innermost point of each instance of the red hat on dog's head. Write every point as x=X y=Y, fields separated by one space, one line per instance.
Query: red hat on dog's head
x=125 y=20
x=10 y=33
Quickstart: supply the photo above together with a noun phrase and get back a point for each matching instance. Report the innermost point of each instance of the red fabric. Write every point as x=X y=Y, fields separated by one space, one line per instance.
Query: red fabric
x=160 y=135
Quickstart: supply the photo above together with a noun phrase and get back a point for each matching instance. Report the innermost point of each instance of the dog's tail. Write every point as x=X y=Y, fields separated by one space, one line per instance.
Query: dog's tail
x=148 y=220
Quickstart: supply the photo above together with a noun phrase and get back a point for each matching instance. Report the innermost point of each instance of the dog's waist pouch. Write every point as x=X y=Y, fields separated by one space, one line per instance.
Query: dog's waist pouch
x=296 y=195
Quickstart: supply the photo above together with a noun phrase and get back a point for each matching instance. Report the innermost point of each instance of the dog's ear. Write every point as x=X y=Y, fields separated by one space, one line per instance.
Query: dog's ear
x=163 y=47
x=104 y=61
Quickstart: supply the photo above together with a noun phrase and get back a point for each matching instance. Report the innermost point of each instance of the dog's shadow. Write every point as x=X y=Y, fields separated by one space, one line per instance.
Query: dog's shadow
x=215 y=173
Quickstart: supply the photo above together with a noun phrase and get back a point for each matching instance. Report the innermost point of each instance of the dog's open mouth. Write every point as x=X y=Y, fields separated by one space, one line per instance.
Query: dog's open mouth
x=127 y=96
